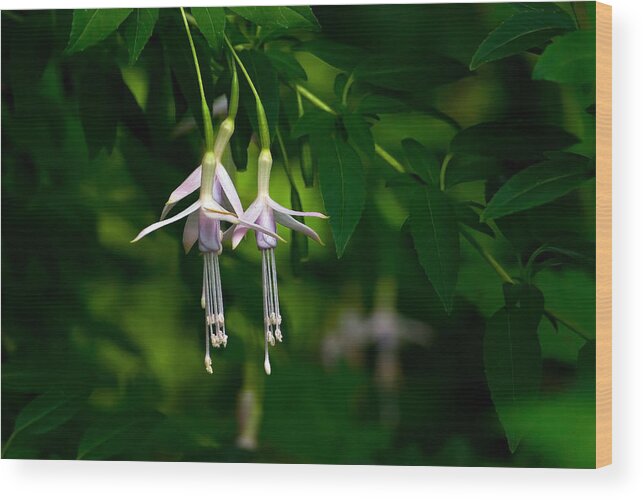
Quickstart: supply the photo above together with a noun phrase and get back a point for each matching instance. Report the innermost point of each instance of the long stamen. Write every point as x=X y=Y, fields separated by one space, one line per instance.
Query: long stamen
x=266 y=311
x=275 y=296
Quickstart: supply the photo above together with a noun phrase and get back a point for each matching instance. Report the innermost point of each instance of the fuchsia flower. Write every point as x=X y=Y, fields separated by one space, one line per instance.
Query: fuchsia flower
x=266 y=213
x=203 y=224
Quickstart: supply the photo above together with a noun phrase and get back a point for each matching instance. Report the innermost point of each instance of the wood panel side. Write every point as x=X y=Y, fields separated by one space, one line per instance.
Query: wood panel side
x=603 y=234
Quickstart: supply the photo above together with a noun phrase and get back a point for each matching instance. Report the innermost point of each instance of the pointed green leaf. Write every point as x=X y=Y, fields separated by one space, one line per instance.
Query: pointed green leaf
x=524 y=30
x=286 y=65
x=90 y=26
x=343 y=188
x=296 y=17
x=513 y=141
x=359 y=133
x=537 y=185
x=405 y=73
x=335 y=54
x=137 y=30
x=423 y=162
x=569 y=59
x=435 y=235
x=512 y=359
x=264 y=77
x=211 y=22
x=47 y=412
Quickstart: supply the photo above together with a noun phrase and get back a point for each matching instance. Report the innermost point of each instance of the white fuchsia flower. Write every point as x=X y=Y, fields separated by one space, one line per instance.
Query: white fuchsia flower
x=266 y=213
x=218 y=204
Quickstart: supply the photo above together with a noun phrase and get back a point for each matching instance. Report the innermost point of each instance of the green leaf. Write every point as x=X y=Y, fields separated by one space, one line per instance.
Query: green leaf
x=423 y=162
x=177 y=50
x=409 y=74
x=537 y=185
x=513 y=141
x=137 y=30
x=263 y=75
x=522 y=31
x=117 y=434
x=100 y=90
x=342 y=187
x=211 y=22
x=468 y=216
x=379 y=105
x=90 y=26
x=436 y=239
x=299 y=245
x=467 y=168
x=47 y=412
x=297 y=17
x=312 y=130
x=359 y=133
x=512 y=359
x=286 y=65
x=569 y=59
x=335 y=54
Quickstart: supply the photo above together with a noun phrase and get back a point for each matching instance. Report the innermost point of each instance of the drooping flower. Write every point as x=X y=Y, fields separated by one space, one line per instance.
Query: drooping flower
x=218 y=204
x=267 y=213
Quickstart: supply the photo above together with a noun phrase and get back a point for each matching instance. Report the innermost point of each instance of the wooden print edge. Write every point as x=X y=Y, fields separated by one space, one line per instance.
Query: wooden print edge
x=603 y=234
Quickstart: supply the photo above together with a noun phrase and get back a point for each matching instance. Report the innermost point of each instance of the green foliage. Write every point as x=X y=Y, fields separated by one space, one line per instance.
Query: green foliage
x=512 y=358
x=569 y=59
x=436 y=239
x=91 y=26
x=343 y=187
x=137 y=30
x=442 y=184
x=211 y=22
x=297 y=17
x=539 y=184
x=524 y=30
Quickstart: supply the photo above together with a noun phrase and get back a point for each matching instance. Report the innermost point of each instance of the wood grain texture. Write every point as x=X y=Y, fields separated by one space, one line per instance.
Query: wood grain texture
x=603 y=235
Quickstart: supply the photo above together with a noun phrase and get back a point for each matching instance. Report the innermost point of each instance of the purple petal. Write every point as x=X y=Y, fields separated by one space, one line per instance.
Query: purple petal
x=188 y=186
x=278 y=208
x=209 y=233
x=229 y=189
x=266 y=220
x=295 y=225
x=191 y=231
x=160 y=224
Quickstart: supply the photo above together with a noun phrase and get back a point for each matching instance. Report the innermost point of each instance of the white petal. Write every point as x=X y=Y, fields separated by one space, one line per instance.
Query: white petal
x=249 y=215
x=295 y=225
x=160 y=224
x=188 y=186
x=229 y=189
x=191 y=231
x=278 y=208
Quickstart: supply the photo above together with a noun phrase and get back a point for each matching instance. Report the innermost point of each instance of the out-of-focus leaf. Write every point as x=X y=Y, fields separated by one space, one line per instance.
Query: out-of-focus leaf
x=100 y=89
x=436 y=239
x=537 y=185
x=409 y=74
x=299 y=242
x=240 y=141
x=522 y=31
x=335 y=54
x=313 y=123
x=339 y=84
x=466 y=215
x=179 y=56
x=264 y=77
x=111 y=436
x=569 y=59
x=359 y=133
x=211 y=22
x=312 y=130
x=295 y=17
x=512 y=360
x=467 y=168
x=379 y=105
x=512 y=141
x=343 y=189
x=47 y=412
x=538 y=6
x=90 y=26
x=286 y=65
x=423 y=162
x=137 y=30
